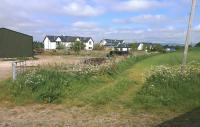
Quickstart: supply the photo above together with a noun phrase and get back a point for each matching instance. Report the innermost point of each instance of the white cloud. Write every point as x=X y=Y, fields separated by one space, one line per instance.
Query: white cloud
x=134 y=5
x=146 y=18
x=149 y=30
x=81 y=9
x=138 y=31
x=170 y=28
x=84 y=25
x=197 y=28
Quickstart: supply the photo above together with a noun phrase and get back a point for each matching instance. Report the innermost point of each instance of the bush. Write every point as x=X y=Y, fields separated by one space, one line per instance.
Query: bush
x=38 y=45
x=98 y=47
x=168 y=86
x=197 y=45
x=61 y=46
x=78 y=46
x=134 y=46
x=158 y=48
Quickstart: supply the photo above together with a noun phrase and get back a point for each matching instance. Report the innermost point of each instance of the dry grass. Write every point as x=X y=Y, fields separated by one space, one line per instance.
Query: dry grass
x=61 y=116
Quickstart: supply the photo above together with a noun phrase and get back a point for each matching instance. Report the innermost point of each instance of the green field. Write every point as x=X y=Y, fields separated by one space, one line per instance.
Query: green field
x=124 y=86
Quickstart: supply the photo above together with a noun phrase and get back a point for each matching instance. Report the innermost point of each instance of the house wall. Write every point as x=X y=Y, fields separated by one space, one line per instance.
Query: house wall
x=58 y=40
x=140 y=47
x=15 y=44
x=103 y=42
x=89 y=45
x=67 y=44
x=48 y=44
x=122 y=49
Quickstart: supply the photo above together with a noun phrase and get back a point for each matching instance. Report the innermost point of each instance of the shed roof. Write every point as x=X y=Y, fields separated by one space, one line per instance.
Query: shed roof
x=14 y=31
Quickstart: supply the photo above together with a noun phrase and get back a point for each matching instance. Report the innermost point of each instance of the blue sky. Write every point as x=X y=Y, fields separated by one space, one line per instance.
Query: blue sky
x=131 y=20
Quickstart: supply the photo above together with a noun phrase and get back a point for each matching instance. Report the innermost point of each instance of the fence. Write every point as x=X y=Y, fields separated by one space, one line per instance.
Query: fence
x=18 y=67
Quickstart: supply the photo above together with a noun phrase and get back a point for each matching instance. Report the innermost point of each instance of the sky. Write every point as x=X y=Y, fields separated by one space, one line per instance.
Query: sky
x=160 y=21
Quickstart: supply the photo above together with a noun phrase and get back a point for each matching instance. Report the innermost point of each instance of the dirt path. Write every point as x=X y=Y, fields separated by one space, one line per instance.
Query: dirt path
x=60 y=116
x=5 y=69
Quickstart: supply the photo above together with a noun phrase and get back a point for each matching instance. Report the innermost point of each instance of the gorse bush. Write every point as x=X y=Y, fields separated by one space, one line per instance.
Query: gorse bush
x=168 y=86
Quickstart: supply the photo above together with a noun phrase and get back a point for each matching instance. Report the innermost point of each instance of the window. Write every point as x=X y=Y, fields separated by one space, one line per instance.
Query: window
x=90 y=47
x=58 y=43
x=90 y=42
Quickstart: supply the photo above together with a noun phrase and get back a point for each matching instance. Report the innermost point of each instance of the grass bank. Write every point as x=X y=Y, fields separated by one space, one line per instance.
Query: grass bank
x=169 y=87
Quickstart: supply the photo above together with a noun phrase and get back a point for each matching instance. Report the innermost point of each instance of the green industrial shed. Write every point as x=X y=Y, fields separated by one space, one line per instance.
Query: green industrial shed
x=15 y=44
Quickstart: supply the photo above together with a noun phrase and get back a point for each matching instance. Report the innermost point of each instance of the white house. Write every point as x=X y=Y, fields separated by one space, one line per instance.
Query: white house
x=51 y=42
x=145 y=46
x=140 y=47
x=123 y=47
x=113 y=44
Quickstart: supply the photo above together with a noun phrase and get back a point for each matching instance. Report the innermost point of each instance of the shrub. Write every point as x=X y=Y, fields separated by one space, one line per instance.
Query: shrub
x=158 y=48
x=98 y=47
x=78 y=46
x=134 y=46
x=60 y=46
x=197 y=45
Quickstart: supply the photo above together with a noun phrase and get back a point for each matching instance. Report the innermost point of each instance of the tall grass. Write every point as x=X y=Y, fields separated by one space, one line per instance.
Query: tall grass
x=167 y=86
x=49 y=84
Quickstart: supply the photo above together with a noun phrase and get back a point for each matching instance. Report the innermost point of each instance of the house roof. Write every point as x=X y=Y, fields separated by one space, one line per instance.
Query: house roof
x=112 y=42
x=85 y=39
x=52 y=38
x=123 y=45
x=68 y=38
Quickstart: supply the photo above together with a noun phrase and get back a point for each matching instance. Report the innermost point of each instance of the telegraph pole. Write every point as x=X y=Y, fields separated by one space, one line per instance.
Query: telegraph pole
x=189 y=32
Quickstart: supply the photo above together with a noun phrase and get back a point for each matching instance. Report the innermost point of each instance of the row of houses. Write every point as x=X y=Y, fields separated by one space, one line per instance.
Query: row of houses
x=52 y=42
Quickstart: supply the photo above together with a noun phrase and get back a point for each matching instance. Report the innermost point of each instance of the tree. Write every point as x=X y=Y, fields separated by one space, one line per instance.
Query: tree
x=197 y=45
x=158 y=47
x=134 y=46
x=37 y=45
x=77 y=46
